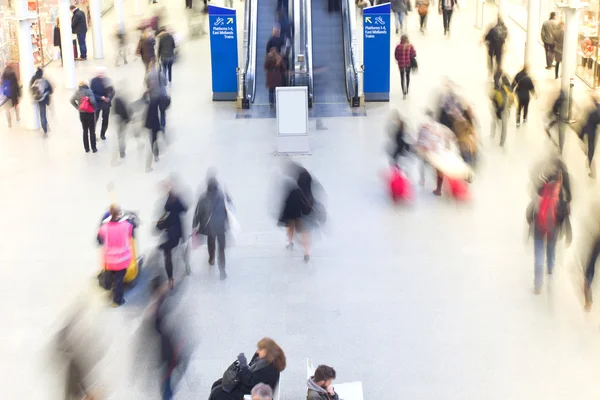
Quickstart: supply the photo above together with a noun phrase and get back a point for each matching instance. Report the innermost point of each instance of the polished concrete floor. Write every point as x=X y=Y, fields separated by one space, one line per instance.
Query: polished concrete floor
x=431 y=301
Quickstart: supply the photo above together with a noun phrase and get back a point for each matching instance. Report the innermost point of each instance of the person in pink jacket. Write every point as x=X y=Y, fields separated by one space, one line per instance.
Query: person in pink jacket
x=115 y=235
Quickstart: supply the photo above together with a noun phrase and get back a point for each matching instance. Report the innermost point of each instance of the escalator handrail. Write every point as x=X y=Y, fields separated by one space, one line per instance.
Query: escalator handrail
x=350 y=51
x=249 y=71
x=308 y=49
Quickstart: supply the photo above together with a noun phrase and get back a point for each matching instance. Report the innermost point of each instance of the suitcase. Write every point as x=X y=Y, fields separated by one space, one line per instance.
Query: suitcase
x=458 y=189
x=400 y=186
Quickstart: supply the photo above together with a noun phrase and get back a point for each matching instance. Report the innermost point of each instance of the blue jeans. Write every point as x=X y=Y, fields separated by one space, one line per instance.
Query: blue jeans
x=167 y=66
x=549 y=241
x=82 y=46
x=43 y=118
x=400 y=21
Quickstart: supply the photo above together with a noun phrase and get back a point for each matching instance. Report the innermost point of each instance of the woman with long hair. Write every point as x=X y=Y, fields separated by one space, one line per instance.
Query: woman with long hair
x=404 y=54
x=265 y=367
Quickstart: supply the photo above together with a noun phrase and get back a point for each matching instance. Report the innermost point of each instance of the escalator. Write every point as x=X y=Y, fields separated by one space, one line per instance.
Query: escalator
x=260 y=18
x=334 y=73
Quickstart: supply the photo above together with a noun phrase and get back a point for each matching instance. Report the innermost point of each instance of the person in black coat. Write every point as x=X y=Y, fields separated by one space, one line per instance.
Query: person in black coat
x=122 y=111
x=275 y=41
x=589 y=129
x=265 y=367
x=103 y=93
x=56 y=39
x=170 y=222
x=166 y=51
x=79 y=28
x=523 y=87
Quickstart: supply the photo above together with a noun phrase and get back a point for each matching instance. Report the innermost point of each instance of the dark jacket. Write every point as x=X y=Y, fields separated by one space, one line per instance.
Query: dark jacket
x=166 y=46
x=495 y=37
x=56 y=36
x=171 y=220
x=277 y=42
x=101 y=88
x=453 y=4
x=146 y=47
x=248 y=379
x=78 y=22
x=274 y=68
x=210 y=217
x=523 y=85
x=122 y=110
x=47 y=89
x=592 y=121
x=558 y=38
x=300 y=199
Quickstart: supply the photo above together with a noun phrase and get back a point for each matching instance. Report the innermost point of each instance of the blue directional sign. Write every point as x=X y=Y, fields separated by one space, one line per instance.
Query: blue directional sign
x=376 y=44
x=223 y=52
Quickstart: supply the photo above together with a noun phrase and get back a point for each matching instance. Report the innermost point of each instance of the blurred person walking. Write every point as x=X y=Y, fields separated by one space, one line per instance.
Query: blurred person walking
x=170 y=223
x=297 y=209
x=166 y=52
x=265 y=367
x=211 y=219
x=320 y=385
x=274 y=69
x=559 y=35
x=400 y=8
x=433 y=139
x=41 y=90
x=121 y=37
x=84 y=101
x=548 y=38
x=124 y=114
x=405 y=55
x=446 y=8
x=11 y=90
x=103 y=94
x=502 y=99
x=275 y=41
x=523 y=87
x=589 y=129
x=115 y=236
x=145 y=48
x=548 y=215
x=79 y=28
x=495 y=39
x=423 y=11
x=56 y=41
x=158 y=102
x=590 y=272
x=399 y=146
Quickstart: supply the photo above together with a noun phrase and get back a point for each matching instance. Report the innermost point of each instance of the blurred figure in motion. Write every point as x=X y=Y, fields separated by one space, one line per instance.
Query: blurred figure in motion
x=589 y=129
x=156 y=90
x=145 y=48
x=495 y=39
x=423 y=10
x=211 y=220
x=103 y=93
x=275 y=41
x=559 y=34
x=41 y=90
x=262 y=391
x=121 y=37
x=549 y=38
x=124 y=114
x=590 y=271
x=84 y=101
x=399 y=146
x=400 y=8
x=446 y=8
x=548 y=214
x=56 y=41
x=265 y=367
x=166 y=52
x=523 y=87
x=554 y=116
x=300 y=210
x=115 y=236
x=433 y=139
x=320 y=386
x=170 y=223
x=502 y=99
x=405 y=53
x=466 y=138
x=11 y=92
x=275 y=69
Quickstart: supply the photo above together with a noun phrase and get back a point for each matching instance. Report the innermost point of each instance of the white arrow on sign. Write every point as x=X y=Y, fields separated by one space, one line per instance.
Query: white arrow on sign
x=368 y=19
x=229 y=21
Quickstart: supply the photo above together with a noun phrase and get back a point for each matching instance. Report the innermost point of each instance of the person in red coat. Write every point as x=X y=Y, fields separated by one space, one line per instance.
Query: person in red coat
x=275 y=68
x=404 y=54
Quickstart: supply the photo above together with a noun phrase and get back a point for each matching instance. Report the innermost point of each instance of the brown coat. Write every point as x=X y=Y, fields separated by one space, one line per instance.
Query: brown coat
x=275 y=68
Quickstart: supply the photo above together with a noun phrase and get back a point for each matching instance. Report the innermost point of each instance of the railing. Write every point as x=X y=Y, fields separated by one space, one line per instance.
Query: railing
x=353 y=88
x=247 y=74
x=307 y=14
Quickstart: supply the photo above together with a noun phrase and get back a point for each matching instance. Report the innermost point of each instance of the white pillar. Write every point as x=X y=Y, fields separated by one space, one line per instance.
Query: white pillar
x=569 y=57
x=501 y=8
x=96 y=16
x=137 y=8
x=66 y=40
x=120 y=14
x=533 y=31
x=479 y=7
x=27 y=108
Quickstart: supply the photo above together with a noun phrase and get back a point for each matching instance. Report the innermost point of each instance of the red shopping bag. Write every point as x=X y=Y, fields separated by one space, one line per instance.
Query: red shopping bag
x=458 y=188
x=399 y=185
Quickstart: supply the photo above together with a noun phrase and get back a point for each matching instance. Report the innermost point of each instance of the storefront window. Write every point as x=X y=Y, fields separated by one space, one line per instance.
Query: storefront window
x=587 y=51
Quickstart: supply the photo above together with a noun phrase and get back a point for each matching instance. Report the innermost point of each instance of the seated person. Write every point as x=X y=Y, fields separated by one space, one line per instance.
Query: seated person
x=319 y=386
x=262 y=391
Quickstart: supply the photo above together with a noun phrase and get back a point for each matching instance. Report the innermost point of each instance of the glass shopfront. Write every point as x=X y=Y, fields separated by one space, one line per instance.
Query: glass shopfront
x=588 y=67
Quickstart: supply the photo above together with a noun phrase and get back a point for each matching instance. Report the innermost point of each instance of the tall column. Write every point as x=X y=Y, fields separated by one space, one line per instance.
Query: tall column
x=96 y=16
x=120 y=14
x=479 y=7
x=533 y=31
x=137 y=7
x=66 y=40
x=501 y=8
x=28 y=110
x=569 y=58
